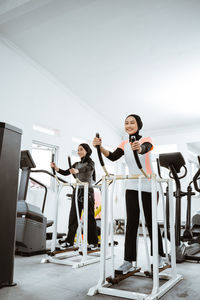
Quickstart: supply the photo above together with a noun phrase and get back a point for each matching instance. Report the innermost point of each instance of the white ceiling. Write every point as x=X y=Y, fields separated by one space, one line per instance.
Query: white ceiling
x=118 y=56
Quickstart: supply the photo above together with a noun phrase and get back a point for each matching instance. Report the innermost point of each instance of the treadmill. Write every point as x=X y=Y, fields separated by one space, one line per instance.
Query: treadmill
x=31 y=224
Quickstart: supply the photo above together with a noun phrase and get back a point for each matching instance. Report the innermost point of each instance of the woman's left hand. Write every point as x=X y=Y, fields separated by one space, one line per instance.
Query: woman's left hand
x=136 y=146
x=74 y=171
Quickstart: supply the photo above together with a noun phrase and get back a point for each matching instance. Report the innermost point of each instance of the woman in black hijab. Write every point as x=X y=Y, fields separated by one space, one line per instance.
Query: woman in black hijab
x=84 y=170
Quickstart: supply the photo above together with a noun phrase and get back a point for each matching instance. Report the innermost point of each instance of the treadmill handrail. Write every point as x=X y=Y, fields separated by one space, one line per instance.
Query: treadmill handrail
x=45 y=194
x=48 y=173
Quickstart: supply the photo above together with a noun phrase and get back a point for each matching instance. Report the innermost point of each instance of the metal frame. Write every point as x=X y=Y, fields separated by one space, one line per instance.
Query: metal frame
x=103 y=287
x=67 y=258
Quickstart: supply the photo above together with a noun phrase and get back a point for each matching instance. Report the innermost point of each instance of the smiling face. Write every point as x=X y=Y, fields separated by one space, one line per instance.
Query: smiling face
x=81 y=151
x=131 y=126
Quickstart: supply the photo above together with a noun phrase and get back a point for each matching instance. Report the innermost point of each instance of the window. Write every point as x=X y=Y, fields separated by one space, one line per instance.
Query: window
x=42 y=156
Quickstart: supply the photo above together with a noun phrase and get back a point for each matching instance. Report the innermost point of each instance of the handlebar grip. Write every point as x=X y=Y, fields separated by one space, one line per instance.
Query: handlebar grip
x=132 y=139
x=70 y=165
x=99 y=152
x=53 y=160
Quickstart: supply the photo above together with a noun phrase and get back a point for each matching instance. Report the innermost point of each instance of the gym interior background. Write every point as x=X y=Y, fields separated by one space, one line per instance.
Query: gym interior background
x=70 y=69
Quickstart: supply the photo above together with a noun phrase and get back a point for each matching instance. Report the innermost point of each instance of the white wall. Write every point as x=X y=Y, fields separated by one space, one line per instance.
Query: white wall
x=29 y=95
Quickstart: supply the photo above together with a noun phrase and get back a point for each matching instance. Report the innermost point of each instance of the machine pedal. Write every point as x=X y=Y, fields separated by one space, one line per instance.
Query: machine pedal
x=150 y=274
x=120 y=277
x=58 y=251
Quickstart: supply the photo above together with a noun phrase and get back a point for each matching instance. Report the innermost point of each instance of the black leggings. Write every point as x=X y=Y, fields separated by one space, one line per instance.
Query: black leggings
x=73 y=222
x=133 y=212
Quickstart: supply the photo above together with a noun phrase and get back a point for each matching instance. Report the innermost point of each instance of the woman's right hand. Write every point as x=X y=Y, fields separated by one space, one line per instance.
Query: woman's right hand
x=53 y=166
x=97 y=141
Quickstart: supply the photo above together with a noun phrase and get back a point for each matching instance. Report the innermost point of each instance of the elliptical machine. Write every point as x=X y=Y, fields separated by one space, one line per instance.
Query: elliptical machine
x=186 y=245
x=196 y=217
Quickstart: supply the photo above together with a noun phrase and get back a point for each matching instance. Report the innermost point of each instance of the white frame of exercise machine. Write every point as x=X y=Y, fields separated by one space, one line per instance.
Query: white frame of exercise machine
x=64 y=257
x=103 y=287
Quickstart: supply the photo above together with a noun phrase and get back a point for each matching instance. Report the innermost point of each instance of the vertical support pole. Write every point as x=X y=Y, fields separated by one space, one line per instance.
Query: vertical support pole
x=111 y=228
x=154 y=235
x=172 y=229
x=137 y=246
x=143 y=224
x=103 y=232
x=167 y=210
x=107 y=232
x=85 y=226
x=165 y=222
x=78 y=239
x=55 y=224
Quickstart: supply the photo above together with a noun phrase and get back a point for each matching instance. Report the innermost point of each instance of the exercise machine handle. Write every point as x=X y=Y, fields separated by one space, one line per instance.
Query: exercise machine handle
x=195 y=178
x=100 y=156
x=70 y=165
x=158 y=167
x=99 y=152
x=53 y=160
x=132 y=139
x=135 y=153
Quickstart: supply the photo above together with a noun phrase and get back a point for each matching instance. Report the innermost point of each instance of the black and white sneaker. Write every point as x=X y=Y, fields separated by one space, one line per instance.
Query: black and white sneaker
x=93 y=247
x=67 y=245
x=62 y=241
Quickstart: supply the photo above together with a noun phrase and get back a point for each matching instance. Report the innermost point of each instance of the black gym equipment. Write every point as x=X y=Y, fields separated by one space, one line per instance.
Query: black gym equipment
x=10 y=143
x=186 y=245
x=70 y=165
x=100 y=157
x=135 y=153
x=196 y=218
x=31 y=223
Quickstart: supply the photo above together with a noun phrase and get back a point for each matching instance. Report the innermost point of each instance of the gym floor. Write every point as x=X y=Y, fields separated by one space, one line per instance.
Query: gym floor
x=37 y=281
